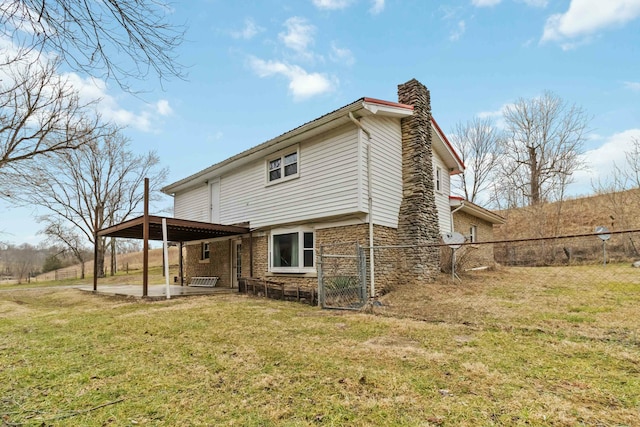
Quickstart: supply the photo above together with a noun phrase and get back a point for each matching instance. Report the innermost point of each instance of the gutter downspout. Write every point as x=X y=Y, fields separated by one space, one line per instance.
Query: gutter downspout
x=454 y=211
x=370 y=204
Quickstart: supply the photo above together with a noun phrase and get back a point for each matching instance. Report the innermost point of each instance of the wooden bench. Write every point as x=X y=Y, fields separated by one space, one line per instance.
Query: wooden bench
x=209 y=281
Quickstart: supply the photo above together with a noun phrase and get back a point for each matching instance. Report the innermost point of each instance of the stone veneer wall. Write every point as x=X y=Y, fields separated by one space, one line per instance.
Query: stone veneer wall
x=476 y=255
x=418 y=217
x=216 y=265
x=342 y=239
x=344 y=236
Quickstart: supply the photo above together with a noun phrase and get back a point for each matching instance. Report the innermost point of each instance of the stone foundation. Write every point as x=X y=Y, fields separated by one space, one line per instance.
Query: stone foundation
x=216 y=265
x=340 y=240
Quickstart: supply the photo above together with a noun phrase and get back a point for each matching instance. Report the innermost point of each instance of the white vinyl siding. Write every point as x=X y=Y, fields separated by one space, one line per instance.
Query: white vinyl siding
x=386 y=140
x=327 y=185
x=193 y=204
x=442 y=196
x=214 y=186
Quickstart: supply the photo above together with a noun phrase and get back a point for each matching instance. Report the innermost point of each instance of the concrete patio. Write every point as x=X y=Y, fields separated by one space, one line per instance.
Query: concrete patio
x=156 y=292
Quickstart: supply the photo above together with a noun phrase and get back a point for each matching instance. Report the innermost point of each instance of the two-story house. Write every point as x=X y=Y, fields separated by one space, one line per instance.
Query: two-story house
x=373 y=171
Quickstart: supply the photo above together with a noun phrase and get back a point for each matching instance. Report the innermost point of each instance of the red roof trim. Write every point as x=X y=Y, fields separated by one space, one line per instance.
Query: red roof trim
x=444 y=138
x=388 y=103
x=456 y=198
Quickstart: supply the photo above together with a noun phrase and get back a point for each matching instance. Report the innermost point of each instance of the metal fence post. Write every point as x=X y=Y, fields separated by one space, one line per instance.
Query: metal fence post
x=362 y=272
x=320 y=279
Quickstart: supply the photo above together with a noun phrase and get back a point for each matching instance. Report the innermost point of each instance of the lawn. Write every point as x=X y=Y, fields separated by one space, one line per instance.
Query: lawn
x=511 y=347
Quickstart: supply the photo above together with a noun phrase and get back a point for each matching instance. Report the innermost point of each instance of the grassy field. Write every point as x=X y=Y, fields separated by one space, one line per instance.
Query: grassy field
x=510 y=347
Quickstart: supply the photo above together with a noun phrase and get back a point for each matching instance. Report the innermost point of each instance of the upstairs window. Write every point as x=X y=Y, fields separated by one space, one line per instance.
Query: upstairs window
x=438 y=178
x=283 y=167
x=292 y=251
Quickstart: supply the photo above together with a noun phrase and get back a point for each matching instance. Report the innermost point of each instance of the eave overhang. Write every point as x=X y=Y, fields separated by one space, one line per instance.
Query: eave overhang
x=475 y=210
x=178 y=230
x=446 y=151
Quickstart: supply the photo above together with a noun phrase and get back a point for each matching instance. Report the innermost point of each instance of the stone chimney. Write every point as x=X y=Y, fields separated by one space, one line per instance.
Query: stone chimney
x=418 y=217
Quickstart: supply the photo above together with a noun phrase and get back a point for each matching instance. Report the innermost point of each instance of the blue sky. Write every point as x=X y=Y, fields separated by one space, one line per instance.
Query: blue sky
x=259 y=68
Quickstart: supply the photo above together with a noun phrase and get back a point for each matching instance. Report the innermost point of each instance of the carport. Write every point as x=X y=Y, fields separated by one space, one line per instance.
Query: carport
x=150 y=227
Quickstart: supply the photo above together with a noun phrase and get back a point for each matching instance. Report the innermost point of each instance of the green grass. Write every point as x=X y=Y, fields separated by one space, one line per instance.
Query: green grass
x=482 y=357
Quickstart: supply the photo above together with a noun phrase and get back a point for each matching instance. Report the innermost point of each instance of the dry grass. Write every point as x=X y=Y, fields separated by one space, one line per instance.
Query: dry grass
x=126 y=263
x=616 y=211
x=501 y=349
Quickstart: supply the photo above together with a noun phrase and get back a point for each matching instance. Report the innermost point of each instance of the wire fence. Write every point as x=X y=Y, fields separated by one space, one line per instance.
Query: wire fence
x=61 y=274
x=569 y=277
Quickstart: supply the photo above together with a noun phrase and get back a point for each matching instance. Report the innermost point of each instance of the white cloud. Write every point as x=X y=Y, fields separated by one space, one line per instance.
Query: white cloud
x=302 y=84
x=485 y=3
x=163 y=108
x=332 y=4
x=377 y=7
x=250 y=30
x=215 y=136
x=341 y=55
x=634 y=86
x=299 y=34
x=458 y=31
x=91 y=89
x=536 y=3
x=600 y=161
x=497 y=116
x=587 y=17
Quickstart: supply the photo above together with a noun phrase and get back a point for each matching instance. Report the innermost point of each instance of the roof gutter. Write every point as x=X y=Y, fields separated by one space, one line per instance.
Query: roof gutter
x=453 y=228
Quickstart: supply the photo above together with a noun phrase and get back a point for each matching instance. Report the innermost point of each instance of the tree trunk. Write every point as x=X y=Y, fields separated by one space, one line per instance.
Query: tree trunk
x=100 y=258
x=112 y=267
x=535 y=177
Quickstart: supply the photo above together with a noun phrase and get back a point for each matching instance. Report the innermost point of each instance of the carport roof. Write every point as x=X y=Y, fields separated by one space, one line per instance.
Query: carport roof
x=178 y=230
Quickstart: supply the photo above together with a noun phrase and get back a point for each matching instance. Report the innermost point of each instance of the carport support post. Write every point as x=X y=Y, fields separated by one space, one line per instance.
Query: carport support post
x=165 y=251
x=145 y=241
x=180 y=266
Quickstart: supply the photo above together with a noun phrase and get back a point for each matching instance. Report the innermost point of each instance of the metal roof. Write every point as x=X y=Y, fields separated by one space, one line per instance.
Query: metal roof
x=178 y=230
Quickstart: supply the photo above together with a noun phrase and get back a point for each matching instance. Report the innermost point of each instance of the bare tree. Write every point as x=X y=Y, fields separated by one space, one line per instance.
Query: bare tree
x=40 y=113
x=99 y=184
x=621 y=188
x=479 y=145
x=543 y=142
x=93 y=36
x=22 y=261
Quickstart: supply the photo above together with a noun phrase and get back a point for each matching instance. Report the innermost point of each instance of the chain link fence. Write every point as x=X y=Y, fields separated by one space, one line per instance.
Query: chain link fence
x=577 y=279
x=342 y=280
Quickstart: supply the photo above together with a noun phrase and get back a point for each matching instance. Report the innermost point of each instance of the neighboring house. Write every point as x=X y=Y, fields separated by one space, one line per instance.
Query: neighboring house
x=373 y=171
x=476 y=224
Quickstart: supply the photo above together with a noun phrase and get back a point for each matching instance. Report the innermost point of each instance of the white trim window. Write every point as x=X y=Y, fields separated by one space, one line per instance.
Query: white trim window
x=438 y=179
x=292 y=251
x=473 y=233
x=283 y=167
x=206 y=251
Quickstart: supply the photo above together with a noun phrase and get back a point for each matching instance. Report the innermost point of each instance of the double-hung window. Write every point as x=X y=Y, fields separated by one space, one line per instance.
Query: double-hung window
x=283 y=167
x=438 y=178
x=292 y=251
x=206 y=251
x=473 y=233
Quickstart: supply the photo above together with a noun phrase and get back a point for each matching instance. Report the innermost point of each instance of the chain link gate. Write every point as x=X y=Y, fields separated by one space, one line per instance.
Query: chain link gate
x=342 y=276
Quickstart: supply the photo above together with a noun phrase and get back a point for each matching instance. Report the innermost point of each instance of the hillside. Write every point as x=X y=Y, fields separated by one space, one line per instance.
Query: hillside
x=125 y=262
x=616 y=211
